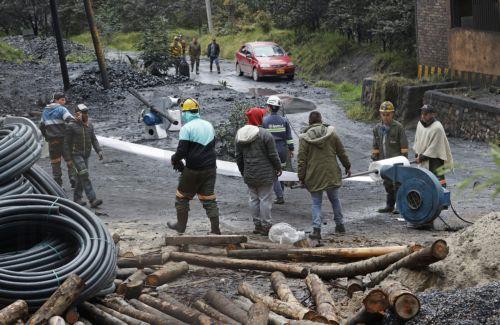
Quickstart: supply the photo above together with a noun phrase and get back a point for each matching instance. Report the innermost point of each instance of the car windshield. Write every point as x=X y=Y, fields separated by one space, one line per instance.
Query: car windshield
x=268 y=50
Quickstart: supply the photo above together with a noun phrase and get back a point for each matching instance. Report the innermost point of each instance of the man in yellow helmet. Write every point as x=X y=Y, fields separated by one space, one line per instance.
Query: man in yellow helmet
x=176 y=52
x=389 y=140
x=197 y=147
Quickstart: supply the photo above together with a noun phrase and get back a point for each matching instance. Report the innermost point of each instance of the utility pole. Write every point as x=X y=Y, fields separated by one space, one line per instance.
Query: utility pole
x=60 y=46
x=97 y=43
x=209 y=18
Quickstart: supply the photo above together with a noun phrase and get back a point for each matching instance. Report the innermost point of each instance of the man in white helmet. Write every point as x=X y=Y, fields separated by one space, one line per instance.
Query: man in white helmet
x=280 y=128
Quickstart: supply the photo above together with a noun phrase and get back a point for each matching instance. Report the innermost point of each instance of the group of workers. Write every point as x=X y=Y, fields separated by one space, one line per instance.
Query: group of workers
x=178 y=53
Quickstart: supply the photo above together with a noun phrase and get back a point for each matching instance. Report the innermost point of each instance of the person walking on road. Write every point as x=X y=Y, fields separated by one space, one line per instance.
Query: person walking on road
x=260 y=165
x=389 y=140
x=194 y=54
x=176 y=53
x=197 y=147
x=213 y=52
x=53 y=127
x=318 y=169
x=280 y=128
x=78 y=143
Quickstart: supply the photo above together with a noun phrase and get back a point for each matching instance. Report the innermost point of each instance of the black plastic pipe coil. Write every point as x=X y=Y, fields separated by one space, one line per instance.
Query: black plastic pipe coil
x=44 y=239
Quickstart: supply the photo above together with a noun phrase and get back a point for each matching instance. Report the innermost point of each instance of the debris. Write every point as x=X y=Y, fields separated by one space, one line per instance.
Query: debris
x=99 y=316
x=56 y=320
x=364 y=317
x=214 y=313
x=153 y=311
x=404 y=303
x=71 y=316
x=274 y=319
x=167 y=273
x=283 y=233
x=280 y=286
x=376 y=301
x=142 y=260
x=16 y=310
x=325 y=306
x=123 y=307
x=258 y=314
x=226 y=306
x=132 y=286
x=354 y=285
x=127 y=319
x=209 y=240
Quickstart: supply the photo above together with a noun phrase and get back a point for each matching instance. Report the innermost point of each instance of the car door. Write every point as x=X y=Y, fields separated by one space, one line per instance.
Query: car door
x=246 y=60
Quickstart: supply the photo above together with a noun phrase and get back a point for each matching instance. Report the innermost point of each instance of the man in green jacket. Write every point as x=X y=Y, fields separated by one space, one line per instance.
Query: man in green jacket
x=194 y=54
x=389 y=140
x=319 y=171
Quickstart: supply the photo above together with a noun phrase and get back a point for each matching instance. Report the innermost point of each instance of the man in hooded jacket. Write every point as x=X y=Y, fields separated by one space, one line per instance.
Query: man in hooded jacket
x=319 y=171
x=260 y=165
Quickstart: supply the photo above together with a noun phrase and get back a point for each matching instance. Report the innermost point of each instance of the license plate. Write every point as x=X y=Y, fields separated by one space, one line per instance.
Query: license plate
x=280 y=71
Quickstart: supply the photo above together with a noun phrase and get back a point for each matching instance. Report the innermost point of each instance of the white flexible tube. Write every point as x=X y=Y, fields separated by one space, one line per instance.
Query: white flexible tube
x=377 y=165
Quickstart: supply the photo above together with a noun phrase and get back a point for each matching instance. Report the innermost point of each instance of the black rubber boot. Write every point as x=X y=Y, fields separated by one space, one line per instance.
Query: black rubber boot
x=316 y=235
x=182 y=216
x=80 y=202
x=340 y=228
x=95 y=203
x=279 y=200
x=389 y=205
x=214 y=226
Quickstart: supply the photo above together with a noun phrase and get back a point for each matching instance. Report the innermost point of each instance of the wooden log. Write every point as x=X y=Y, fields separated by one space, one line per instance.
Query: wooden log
x=132 y=286
x=83 y=321
x=274 y=319
x=13 y=312
x=153 y=311
x=204 y=308
x=124 y=273
x=376 y=301
x=354 y=285
x=204 y=250
x=361 y=267
x=226 y=306
x=174 y=308
x=56 y=320
x=280 y=286
x=208 y=240
x=59 y=301
x=211 y=261
x=167 y=273
x=98 y=316
x=71 y=316
x=417 y=260
x=325 y=306
x=405 y=304
x=263 y=245
x=127 y=319
x=280 y=307
x=362 y=317
x=258 y=314
x=142 y=261
x=123 y=307
x=302 y=322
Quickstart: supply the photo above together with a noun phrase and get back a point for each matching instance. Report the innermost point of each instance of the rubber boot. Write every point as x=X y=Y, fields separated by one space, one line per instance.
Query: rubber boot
x=340 y=228
x=316 y=235
x=182 y=217
x=80 y=202
x=95 y=203
x=212 y=211
x=389 y=205
x=279 y=200
x=214 y=226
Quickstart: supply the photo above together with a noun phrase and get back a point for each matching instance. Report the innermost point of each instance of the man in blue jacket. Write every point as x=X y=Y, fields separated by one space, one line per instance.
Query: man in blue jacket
x=197 y=147
x=280 y=128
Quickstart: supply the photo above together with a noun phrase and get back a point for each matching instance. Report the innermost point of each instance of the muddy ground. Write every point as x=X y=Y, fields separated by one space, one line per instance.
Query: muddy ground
x=139 y=193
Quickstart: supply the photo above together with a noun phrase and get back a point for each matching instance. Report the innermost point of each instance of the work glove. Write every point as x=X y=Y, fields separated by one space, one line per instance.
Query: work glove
x=101 y=157
x=178 y=165
x=348 y=172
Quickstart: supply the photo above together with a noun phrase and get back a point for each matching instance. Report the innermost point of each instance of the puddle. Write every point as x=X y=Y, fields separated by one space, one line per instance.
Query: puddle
x=261 y=92
x=292 y=104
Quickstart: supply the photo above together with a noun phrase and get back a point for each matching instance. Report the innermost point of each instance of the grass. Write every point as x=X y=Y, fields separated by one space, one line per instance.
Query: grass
x=117 y=41
x=11 y=54
x=80 y=58
x=396 y=61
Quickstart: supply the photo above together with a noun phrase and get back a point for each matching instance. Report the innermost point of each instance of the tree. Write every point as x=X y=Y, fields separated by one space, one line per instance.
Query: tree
x=155 y=47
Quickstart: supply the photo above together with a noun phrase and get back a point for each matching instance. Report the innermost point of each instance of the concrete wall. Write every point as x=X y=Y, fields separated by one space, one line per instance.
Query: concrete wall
x=474 y=51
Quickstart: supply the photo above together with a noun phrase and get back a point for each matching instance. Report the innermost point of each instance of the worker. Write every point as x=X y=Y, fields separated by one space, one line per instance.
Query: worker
x=389 y=140
x=318 y=169
x=194 y=54
x=182 y=41
x=176 y=53
x=78 y=142
x=197 y=147
x=213 y=51
x=260 y=165
x=53 y=127
x=280 y=128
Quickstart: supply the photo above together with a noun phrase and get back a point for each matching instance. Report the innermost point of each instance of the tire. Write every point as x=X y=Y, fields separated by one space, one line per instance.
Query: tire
x=255 y=75
x=290 y=77
x=238 y=70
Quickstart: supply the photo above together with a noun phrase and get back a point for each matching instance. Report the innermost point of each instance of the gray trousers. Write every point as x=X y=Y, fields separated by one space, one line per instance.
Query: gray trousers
x=81 y=166
x=260 y=204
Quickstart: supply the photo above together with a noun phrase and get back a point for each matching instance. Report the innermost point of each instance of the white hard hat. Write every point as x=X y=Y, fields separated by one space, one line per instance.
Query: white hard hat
x=274 y=101
x=82 y=108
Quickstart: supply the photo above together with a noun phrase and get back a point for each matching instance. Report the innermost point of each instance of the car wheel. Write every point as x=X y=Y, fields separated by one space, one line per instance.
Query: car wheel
x=238 y=70
x=255 y=75
x=290 y=77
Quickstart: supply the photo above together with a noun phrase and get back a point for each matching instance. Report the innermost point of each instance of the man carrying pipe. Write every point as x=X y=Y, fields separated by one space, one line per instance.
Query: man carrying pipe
x=389 y=140
x=197 y=147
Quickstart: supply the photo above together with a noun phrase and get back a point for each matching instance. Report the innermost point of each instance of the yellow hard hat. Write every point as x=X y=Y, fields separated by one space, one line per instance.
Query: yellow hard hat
x=386 y=106
x=190 y=104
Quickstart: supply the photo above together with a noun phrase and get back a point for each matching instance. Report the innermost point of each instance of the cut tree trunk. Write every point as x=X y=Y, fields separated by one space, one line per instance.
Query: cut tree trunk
x=280 y=286
x=228 y=263
x=124 y=273
x=274 y=319
x=258 y=314
x=121 y=306
x=59 y=301
x=402 y=300
x=376 y=301
x=209 y=240
x=226 y=306
x=127 y=319
x=302 y=322
x=174 y=308
x=142 y=261
x=361 y=267
x=11 y=313
x=71 y=316
x=362 y=317
x=417 y=260
x=283 y=308
x=167 y=273
x=98 y=316
x=214 y=313
x=354 y=285
x=132 y=286
x=153 y=311
x=325 y=306
x=57 y=320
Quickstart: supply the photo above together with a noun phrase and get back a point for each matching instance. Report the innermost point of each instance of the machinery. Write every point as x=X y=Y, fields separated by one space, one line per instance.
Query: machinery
x=160 y=116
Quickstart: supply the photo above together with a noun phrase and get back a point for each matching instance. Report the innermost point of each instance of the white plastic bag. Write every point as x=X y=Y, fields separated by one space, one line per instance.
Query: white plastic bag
x=283 y=233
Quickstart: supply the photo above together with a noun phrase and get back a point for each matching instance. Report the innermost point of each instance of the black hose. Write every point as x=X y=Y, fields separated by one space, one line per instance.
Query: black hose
x=43 y=183
x=69 y=240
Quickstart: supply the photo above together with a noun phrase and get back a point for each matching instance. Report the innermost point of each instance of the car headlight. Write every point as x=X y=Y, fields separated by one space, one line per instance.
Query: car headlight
x=265 y=65
x=290 y=64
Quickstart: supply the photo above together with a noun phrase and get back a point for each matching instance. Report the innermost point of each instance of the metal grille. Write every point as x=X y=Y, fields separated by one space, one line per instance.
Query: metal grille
x=486 y=15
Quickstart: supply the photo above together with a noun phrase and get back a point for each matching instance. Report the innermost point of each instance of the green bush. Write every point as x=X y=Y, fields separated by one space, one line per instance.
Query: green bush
x=487 y=177
x=11 y=54
x=117 y=41
x=80 y=58
x=264 y=21
x=396 y=61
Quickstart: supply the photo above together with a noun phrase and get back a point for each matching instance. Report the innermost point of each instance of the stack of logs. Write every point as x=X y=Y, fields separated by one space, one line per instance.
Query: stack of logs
x=142 y=282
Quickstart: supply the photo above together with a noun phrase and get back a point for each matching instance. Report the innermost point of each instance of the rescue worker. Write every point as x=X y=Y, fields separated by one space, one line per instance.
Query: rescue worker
x=197 y=147
x=260 y=166
x=78 y=143
x=319 y=171
x=53 y=127
x=176 y=53
x=280 y=128
x=182 y=41
x=213 y=51
x=194 y=54
x=389 y=140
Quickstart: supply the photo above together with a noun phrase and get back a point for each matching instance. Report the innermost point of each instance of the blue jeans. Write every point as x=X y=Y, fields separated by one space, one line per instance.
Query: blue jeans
x=282 y=149
x=317 y=199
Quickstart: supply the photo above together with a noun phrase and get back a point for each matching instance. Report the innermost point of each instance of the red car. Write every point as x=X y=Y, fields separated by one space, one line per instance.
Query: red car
x=264 y=59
